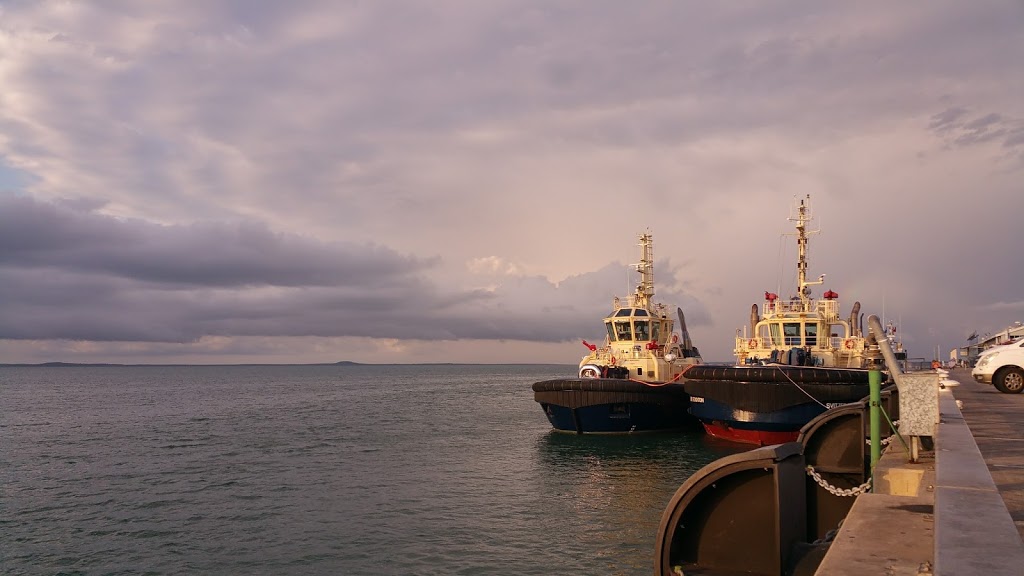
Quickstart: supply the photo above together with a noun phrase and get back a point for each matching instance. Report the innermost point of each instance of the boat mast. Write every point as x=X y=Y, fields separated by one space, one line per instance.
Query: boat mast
x=645 y=290
x=803 y=217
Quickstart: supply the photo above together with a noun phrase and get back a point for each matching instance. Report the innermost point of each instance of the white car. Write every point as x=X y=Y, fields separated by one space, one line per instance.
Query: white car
x=1003 y=367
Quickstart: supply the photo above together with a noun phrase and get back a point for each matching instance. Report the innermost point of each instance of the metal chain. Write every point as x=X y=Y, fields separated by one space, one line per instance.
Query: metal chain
x=885 y=441
x=855 y=491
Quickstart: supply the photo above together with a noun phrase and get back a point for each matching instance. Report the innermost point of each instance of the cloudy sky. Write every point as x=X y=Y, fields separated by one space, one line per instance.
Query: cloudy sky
x=462 y=181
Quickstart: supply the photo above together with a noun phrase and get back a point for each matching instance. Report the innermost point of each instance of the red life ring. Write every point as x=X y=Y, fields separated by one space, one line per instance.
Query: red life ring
x=675 y=338
x=848 y=344
x=752 y=343
x=613 y=360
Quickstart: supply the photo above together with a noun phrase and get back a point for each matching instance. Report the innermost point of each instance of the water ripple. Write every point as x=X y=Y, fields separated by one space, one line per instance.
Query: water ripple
x=318 y=470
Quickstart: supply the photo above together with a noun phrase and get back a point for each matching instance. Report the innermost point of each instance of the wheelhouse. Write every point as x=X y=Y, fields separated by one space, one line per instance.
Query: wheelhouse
x=802 y=332
x=635 y=325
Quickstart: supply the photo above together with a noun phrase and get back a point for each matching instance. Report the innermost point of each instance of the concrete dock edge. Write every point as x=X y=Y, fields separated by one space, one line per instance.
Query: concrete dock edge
x=942 y=515
x=974 y=533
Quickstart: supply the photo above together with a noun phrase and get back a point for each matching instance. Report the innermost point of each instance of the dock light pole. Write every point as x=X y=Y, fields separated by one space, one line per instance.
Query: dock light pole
x=875 y=391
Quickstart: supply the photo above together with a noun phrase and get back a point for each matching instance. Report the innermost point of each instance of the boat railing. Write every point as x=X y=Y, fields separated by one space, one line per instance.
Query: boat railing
x=754 y=343
x=780 y=306
x=634 y=301
x=750 y=343
x=785 y=342
x=827 y=308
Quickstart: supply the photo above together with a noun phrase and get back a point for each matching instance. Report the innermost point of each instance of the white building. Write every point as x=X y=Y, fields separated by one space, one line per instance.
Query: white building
x=968 y=353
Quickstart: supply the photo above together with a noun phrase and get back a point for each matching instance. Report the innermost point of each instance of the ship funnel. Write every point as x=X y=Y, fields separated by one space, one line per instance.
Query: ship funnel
x=854 y=320
x=754 y=319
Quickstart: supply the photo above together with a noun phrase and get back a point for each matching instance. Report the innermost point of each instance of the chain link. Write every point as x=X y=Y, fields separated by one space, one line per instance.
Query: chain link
x=885 y=441
x=855 y=491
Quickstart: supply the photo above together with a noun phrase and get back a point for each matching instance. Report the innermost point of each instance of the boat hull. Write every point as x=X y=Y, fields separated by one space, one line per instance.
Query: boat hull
x=769 y=405
x=757 y=428
x=614 y=406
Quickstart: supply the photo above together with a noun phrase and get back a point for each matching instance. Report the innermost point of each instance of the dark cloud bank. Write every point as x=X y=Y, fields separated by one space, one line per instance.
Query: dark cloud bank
x=78 y=275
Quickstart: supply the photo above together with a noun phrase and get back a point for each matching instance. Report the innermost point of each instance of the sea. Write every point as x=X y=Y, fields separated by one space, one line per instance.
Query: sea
x=321 y=469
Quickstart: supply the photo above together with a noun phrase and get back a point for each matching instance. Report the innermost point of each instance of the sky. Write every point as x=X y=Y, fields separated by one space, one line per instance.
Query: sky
x=226 y=182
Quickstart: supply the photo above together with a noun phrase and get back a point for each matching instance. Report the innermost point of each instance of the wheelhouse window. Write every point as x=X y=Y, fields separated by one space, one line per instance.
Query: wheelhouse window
x=655 y=330
x=791 y=333
x=640 y=329
x=810 y=334
x=622 y=331
x=611 y=331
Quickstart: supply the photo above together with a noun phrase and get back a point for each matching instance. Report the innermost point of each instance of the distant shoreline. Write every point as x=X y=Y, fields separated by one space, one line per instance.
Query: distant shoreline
x=342 y=363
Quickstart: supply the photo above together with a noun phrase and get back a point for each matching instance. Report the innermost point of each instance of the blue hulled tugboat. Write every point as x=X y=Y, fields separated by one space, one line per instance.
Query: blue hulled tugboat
x=631 y=383
x=797 y=360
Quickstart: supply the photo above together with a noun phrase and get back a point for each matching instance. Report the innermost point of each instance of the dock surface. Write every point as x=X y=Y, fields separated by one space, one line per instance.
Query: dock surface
x=996 y=421
x=959 y=510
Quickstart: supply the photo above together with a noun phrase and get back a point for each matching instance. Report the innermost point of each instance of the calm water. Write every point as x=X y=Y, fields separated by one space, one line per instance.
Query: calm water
x=319 y=470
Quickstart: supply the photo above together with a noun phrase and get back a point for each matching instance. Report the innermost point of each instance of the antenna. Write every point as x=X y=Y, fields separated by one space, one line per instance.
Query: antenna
x=802 y=219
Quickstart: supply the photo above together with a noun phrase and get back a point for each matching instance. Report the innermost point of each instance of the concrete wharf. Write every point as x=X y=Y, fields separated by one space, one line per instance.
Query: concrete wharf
x=996 y=421
x=959 y=510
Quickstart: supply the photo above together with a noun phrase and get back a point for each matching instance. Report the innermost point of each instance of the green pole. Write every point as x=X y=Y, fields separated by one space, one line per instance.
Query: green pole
x=875 y=385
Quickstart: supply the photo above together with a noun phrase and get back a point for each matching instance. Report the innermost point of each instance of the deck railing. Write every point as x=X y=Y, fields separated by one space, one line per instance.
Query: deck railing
x=834 y=342
x=827 y=308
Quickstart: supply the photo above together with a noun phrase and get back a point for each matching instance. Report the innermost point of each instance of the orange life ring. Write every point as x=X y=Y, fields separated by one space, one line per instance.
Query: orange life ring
x=752 y=343
x=675 y=338
x=613 y=360
x=848 y=344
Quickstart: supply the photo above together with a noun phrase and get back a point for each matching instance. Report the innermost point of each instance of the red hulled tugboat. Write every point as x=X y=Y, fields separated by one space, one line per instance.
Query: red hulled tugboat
x=797 y=360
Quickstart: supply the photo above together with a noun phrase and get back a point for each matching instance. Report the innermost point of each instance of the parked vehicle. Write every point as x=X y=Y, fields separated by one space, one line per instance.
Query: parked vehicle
x=1003 y=367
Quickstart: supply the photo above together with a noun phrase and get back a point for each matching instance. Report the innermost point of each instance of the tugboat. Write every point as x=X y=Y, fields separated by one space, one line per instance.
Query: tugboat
x=631 y=383
x=798 y=359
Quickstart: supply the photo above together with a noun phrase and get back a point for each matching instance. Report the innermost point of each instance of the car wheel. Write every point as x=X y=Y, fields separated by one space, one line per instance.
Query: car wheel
x=1009 y=380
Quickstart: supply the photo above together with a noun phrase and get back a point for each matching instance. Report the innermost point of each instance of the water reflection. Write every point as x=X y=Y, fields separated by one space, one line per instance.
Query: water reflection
x=668 y=450
x=610 y=491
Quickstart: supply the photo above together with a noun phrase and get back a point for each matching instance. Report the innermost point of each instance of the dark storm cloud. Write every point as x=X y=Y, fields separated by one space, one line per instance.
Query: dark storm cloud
x=39 y=235
x=67 y=274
